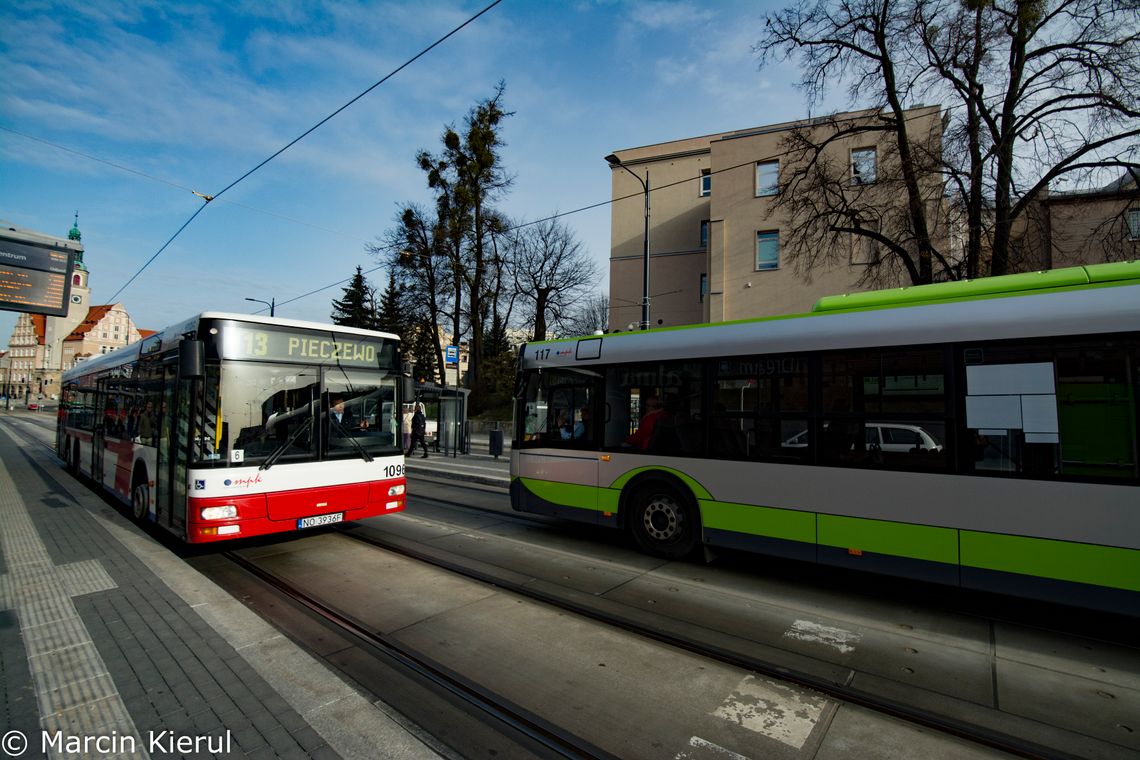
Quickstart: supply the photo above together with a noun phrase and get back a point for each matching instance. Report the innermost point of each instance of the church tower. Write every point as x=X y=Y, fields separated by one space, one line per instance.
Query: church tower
x=80 y=288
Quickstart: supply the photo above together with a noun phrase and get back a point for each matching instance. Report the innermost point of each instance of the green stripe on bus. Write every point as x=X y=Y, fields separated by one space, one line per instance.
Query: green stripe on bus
x=1047 y=558
x=759 y=521
x=608 y=500
x=698 y=490
x=883 y=537
x=563 y=494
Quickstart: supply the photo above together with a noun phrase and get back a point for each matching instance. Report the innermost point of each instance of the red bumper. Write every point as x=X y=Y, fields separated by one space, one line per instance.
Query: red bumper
x=262 y=514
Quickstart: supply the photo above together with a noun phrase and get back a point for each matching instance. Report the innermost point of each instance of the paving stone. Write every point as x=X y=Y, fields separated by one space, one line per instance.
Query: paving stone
x=96 y=640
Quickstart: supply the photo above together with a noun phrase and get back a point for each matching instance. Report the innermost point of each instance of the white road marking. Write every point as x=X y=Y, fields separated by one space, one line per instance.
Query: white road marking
x=837 y=638
x=771 y=709
x=710 y=749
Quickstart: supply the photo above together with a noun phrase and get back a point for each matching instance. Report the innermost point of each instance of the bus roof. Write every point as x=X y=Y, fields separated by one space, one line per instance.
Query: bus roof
x=169 y=336
x=1005 y=285
x=1084 y=300
x=298 y=323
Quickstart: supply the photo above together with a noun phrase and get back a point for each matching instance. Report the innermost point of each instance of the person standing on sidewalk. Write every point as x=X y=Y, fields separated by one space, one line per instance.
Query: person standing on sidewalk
x=419 y=431
x=406 y=429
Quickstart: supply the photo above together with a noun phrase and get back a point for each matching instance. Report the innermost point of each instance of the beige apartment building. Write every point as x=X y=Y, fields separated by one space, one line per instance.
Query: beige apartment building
x=1065 y=229
x=718 y=247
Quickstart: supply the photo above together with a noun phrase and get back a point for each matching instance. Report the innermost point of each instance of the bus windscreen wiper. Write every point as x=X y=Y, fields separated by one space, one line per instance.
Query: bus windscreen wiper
x=277 y=452
x=348 y=437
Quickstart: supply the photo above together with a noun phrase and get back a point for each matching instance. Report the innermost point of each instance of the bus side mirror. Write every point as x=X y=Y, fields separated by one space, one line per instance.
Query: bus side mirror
x=191 y=358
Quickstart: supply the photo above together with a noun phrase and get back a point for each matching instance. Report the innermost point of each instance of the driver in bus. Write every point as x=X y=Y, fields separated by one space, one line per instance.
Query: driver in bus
x=345 y=416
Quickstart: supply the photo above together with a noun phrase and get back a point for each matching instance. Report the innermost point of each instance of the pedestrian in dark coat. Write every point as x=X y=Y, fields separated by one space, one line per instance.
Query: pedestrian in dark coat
x=419 y=431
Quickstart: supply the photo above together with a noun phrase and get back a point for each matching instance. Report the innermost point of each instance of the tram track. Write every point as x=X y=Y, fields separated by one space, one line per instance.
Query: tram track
x=551 y=738
x=660 y=632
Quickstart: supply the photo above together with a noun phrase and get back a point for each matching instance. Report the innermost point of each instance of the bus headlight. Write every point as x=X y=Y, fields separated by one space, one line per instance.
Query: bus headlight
x=227 y=512
x=396 y=490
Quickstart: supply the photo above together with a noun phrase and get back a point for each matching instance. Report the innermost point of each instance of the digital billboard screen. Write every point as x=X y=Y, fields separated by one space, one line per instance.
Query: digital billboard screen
x=35 y=278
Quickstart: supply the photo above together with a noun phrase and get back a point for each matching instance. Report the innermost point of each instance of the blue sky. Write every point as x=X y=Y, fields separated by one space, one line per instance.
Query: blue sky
x=193 y=95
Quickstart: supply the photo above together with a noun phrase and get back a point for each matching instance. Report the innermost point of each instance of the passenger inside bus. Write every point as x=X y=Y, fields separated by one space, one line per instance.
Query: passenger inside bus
x=654 y=413
x=563 y=425
x=582 y=427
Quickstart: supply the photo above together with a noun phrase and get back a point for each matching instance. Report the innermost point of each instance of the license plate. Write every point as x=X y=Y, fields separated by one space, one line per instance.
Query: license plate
x=312 y=522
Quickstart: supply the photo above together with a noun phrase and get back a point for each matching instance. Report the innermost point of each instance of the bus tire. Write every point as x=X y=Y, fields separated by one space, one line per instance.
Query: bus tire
x=140 y=496
x=663 y=520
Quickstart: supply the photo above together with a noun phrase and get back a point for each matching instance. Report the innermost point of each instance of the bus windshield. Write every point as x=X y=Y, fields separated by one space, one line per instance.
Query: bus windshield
x=264 y=414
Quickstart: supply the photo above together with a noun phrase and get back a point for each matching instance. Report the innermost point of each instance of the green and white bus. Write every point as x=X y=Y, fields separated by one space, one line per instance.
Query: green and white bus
x=979 y=433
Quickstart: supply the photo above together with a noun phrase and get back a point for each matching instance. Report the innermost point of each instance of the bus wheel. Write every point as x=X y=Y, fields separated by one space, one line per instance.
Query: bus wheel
x=662 y=521
x=140 y=497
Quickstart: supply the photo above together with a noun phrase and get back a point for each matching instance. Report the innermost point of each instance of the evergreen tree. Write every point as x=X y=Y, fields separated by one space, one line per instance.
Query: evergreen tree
x=421 y=349
x=358 y=306
x=392 y=317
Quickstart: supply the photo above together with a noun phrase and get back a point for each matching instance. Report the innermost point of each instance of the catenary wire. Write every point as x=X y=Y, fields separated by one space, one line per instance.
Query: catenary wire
x=308 y=224
x=175 y=185
x=208 y=198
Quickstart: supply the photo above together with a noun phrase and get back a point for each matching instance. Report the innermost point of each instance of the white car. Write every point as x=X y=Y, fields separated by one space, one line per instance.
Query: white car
x=884 y=436
x=900 y=437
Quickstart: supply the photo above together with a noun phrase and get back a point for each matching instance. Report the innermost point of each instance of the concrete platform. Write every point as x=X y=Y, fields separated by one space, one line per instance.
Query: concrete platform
x=475 y=467
x=111 y=646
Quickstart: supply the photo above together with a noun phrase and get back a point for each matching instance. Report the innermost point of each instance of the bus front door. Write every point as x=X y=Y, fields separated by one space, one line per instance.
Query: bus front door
x=563 y=484
x=173 y=450
x=99 y=433
x=181 y=455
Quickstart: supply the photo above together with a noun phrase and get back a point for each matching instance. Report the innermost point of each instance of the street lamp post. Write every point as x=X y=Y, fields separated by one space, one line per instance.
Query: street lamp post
x=272 y=304
x=615 y=161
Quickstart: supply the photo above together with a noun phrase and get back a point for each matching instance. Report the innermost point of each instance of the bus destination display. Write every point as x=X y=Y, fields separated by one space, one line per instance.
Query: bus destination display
x=34 y=279
x=241 y=341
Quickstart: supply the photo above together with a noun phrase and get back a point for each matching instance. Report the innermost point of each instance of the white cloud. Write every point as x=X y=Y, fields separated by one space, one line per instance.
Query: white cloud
x=657 y=16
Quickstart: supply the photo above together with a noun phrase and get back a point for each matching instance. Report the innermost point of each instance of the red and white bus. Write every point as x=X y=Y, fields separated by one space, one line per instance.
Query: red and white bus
x=232 y=425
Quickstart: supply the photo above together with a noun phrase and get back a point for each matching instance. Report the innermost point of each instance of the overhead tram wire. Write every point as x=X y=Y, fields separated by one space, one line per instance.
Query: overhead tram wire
x=307 y=224
x=208 y=198
x=175 y=185
x=518 y=227
x=592 y=206
x=89 y=157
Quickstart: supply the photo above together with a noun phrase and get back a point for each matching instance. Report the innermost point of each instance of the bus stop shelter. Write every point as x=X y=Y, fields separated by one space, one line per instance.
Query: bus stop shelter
x=446 y=407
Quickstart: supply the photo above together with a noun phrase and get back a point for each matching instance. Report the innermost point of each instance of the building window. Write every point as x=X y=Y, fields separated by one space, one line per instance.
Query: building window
x=706 y=182
x=1133 y=219
x=767 y=250
x=767 y=178
x=863 y=166
x=704 y=286
x=704 y=233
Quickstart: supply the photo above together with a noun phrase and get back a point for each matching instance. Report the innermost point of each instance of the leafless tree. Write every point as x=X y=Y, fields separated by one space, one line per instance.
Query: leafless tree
x=552 y=273
x=839 y=217
x=415 y=250
x=1048 y=92
x=591 y=315
x=1034 y=92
